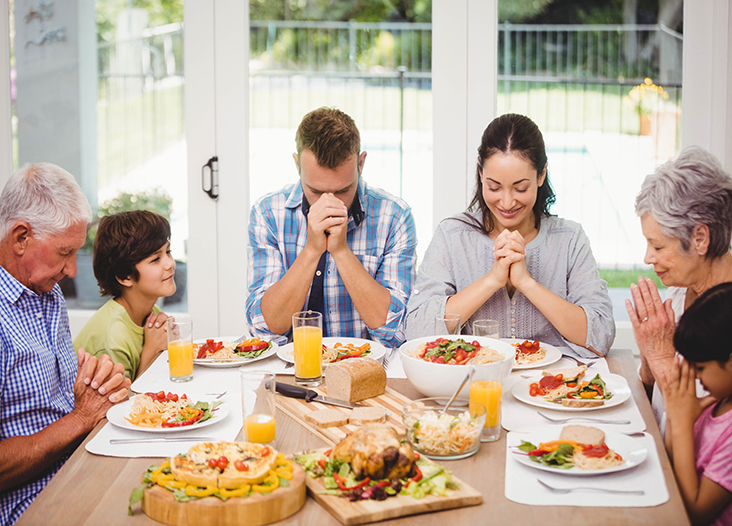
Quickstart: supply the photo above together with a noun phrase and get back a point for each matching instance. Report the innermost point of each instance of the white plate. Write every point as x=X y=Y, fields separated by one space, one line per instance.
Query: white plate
x=287 y=352
x=117 y=413
x=552 y=355
x=614 y=383
x=233 y=363
x=632 y=451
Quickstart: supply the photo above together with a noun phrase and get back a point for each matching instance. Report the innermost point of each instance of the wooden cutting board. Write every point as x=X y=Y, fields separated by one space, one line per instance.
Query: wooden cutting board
x=297 y=408
x=362 y=512
x=160 y=505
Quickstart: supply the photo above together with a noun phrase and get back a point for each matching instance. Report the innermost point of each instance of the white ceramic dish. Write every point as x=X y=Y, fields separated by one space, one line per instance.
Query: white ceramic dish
x=287 y=352
x=615 y=384
x=632 y=451
x=441 y=380
x=206 y=362
x=552 y=355
x=117 y=413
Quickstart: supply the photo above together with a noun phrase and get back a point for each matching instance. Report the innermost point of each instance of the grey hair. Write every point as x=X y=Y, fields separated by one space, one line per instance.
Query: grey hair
x=690 y=190
x=45 y=196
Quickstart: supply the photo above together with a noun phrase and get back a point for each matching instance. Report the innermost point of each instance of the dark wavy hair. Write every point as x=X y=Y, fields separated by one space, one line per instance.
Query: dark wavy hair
x=519 y=135
x=123 y=240
x=702 y=334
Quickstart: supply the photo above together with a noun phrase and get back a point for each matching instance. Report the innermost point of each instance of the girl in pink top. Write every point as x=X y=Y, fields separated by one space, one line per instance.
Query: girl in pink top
x=699 y=441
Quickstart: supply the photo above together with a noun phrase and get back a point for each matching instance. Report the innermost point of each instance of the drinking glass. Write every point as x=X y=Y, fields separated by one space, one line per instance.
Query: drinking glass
x=486 y=388
x=180 y=348
x=258 y=406
x=489 y=328
x=307 y=336
x=447 y=323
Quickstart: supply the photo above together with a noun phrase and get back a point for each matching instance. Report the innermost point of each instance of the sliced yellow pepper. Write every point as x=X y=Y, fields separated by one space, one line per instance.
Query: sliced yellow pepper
x=281 y=459
x=284 y=473
x=176 y=484
x=237 y=492
x=274 y=483
x=161 y=479
x=195 y=491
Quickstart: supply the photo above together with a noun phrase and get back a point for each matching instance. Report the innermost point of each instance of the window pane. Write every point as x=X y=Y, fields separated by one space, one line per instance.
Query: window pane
x=305 y=56
x=604 y=86
x=98 y=90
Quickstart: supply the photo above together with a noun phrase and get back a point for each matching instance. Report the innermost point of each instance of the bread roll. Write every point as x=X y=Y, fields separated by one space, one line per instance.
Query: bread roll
x=355 y=379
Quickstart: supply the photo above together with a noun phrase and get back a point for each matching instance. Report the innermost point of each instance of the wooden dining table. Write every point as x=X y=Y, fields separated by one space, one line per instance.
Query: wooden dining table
x=94 y=490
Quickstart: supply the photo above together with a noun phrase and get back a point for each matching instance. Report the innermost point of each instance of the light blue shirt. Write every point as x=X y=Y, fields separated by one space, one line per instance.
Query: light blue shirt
x=384 y=242
x=37 y=372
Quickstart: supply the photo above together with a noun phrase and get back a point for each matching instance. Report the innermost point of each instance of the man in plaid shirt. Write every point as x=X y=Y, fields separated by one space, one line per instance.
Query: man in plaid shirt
x=50 y=398
x=330 y=243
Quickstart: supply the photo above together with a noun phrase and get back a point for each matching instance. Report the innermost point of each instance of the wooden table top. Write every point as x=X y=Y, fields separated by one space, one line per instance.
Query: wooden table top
x=94 y=490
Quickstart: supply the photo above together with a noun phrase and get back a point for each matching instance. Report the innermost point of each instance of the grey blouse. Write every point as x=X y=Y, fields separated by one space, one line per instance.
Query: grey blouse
x=559 y=258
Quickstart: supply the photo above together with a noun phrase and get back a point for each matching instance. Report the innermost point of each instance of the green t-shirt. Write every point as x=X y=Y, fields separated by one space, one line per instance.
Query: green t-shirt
x=111 y=331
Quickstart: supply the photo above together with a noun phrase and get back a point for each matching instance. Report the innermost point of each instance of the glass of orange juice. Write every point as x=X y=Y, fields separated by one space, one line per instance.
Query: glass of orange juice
x=486 y=387
x=258 y=405
x=180 y=348
x=307 y=336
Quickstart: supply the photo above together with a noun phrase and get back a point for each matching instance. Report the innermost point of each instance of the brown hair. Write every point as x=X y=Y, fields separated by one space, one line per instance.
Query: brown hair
x=123 y=240
x=330 y=134
x=518 y=135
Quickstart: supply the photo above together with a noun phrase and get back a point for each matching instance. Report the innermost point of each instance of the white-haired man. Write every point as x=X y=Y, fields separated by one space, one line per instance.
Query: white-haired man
x=50 y=398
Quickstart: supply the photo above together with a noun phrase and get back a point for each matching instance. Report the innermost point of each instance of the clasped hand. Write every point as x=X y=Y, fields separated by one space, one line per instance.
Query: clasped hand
x=509 y=265
x=327 y=224
x=100 y=383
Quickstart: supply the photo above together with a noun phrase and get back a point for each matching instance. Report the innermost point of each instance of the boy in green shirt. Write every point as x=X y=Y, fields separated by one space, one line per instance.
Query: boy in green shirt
x=133 y=264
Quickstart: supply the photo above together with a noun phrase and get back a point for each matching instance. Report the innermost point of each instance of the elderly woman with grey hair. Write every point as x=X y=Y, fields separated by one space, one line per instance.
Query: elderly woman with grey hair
x=685 y=208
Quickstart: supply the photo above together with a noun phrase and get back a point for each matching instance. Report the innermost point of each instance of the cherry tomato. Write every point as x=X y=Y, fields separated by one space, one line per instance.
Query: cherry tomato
x=223 y=462
x=161 y=395
x=266 y=451
x=240 y=466
x=212 y=463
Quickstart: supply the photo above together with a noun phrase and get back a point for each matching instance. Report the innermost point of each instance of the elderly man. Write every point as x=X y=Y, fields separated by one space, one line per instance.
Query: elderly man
x=330 y=243
x=50 y=398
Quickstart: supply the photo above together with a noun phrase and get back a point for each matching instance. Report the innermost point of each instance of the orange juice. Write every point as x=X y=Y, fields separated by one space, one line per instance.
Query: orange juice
x=259 y=429
x=488 y=393
x=180 y=358
x=308 y=343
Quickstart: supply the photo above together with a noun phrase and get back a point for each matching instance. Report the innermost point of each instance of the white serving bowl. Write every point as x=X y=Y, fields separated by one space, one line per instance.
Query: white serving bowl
x=439 y=379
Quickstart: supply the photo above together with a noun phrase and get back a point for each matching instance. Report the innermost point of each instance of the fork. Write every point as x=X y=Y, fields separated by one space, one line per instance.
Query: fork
x=588 y=488
x=580 y=362
x=387 y=358
x=242 y=338
x=587 y=418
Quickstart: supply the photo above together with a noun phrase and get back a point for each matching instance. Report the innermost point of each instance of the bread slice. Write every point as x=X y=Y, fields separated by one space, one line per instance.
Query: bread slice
x=582 y=402
x=367 y=415
x=327 y=418
x=583 y=434
x=355 y=379
x=575 y=373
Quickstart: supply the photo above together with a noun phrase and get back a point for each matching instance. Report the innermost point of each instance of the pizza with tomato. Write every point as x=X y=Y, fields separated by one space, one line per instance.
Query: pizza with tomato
x=224 y=464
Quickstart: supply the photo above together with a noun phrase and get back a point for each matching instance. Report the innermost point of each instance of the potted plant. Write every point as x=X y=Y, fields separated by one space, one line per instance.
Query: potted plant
x=155 y=200
x=646 y=98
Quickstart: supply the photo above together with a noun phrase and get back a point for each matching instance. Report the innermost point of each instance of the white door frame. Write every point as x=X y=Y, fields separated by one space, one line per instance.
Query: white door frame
x=6 y=133
x=217 y=124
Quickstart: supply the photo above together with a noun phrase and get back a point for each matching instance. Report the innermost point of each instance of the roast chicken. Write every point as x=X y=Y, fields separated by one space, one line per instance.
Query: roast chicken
x=375 y=451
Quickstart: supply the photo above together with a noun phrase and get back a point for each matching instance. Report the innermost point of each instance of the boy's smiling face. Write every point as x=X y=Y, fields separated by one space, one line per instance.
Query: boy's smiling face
x=156 y=274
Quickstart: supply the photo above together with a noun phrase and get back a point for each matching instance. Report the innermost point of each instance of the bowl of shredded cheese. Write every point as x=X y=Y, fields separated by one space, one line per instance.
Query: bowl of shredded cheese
x=448 y=435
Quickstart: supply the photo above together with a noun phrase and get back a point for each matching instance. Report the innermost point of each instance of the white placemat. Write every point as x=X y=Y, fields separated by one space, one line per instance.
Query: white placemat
x=517 y=416
x=522 y=486
x=227 y=429
x=394 y=368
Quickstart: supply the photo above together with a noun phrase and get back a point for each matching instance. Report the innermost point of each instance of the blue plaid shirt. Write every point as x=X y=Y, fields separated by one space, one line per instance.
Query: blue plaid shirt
x=384 y=242
x=37 y=372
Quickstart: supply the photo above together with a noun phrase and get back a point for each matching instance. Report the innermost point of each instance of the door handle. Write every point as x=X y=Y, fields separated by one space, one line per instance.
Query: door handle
x=213 y=186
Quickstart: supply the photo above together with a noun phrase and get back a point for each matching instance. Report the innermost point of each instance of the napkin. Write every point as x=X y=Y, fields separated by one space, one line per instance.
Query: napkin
x=522 y=486
x=518 y=416
x=228 y=429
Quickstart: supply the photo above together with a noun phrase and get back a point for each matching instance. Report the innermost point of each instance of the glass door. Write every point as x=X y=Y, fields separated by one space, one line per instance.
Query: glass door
x=97 y=88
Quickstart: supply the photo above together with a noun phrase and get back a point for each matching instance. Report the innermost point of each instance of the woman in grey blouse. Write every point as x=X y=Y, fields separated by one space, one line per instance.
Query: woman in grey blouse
x=507 y=259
